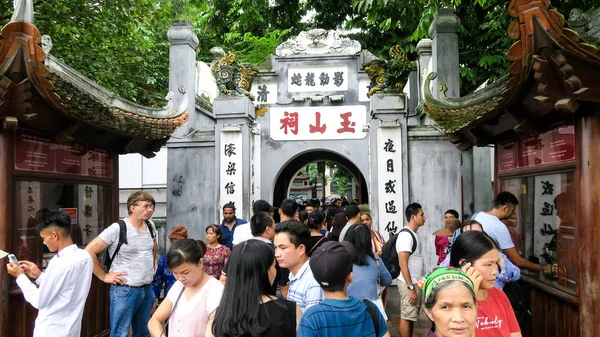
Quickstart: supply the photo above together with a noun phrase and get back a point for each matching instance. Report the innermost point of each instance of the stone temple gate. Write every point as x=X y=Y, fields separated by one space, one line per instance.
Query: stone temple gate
x=312 y=104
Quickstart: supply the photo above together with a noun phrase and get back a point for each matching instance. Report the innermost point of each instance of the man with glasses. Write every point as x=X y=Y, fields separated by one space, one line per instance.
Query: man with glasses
x=132 y=268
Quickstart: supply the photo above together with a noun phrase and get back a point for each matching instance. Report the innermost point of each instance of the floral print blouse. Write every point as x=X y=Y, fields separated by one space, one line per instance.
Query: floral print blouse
x=214 y=260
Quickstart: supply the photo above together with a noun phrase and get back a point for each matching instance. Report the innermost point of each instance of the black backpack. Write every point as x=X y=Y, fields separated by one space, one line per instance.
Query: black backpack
x=106 y=258
x=390 y=255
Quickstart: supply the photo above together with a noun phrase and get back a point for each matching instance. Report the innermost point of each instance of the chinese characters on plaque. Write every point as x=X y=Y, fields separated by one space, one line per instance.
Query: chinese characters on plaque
x=35 y=151
x=309 y=79
x=318 y=123
x=255 y=164
x=389 y=180
x=545 y=221
x=554 y=146
x=231 y=183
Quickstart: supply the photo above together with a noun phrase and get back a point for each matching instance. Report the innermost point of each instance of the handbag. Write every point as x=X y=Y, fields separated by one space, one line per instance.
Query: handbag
x=166 y=327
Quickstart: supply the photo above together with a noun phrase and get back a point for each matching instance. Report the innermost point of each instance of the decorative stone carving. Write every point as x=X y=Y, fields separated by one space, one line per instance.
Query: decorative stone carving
x=389 y=75
x=46 y=44
x=587 y=24
x=318 y=41
x=233 y=78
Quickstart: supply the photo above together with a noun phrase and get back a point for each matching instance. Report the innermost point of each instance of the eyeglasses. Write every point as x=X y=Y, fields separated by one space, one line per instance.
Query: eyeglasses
x=145 y=207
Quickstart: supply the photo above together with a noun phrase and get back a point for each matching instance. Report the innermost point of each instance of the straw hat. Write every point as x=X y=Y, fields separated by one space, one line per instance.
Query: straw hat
x=450 y=225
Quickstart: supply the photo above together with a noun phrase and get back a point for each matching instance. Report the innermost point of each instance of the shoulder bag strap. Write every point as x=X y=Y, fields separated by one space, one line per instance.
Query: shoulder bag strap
x=371 y=309
x=171 y=313
x=122 y=240
x=414 y=238
x=316 y=245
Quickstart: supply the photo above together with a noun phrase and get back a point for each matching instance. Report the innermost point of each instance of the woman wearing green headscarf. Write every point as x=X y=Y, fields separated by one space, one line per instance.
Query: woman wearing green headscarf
x=450 y=303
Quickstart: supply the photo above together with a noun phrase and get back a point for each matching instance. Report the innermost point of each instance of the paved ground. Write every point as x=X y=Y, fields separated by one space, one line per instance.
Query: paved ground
x=393 y=311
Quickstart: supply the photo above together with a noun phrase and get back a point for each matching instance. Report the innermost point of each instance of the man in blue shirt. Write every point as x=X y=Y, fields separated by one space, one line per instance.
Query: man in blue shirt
x=338 y=314
x=229 y=224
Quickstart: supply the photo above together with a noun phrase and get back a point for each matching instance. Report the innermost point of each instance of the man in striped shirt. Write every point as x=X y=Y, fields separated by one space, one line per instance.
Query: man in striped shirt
x=290 y=251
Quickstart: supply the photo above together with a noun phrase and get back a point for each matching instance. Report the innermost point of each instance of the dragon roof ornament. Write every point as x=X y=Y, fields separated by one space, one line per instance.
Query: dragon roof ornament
x=317 y=42
x=587 y=24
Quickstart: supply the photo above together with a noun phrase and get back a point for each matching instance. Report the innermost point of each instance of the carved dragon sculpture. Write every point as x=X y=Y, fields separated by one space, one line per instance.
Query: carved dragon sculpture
x=233 y=78
x=389 y=75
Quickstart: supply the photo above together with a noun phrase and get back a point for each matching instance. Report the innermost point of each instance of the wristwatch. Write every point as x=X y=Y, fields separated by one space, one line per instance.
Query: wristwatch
x=411 y=287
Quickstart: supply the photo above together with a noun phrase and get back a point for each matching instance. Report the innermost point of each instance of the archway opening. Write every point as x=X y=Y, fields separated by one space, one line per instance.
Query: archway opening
x=285 y=181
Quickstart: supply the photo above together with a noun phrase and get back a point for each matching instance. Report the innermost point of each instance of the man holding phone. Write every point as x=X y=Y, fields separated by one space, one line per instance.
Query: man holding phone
x=61 y=290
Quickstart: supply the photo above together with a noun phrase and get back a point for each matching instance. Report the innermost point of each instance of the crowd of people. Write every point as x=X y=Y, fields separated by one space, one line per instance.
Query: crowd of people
x=314 y=269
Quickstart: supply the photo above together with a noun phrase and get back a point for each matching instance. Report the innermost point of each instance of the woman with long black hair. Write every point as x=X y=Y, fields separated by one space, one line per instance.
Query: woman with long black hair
x=249 y=307
x=368 y=271
x=495 y=316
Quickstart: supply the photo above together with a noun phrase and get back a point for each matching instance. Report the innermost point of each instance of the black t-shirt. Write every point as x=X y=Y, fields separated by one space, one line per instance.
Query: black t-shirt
x=280 y=317
x=314 y=242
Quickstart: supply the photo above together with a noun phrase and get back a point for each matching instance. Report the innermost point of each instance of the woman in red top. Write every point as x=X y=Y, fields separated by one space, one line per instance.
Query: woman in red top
x=216 y=254
x=495 y=316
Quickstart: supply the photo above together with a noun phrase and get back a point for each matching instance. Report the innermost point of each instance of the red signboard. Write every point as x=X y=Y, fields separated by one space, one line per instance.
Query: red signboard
x=507 y=156
x=36 y=152
x=72 y=214
x=554 y=146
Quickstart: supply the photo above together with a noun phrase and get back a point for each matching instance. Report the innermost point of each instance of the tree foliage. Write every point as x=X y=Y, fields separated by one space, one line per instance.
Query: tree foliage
x=122 y=44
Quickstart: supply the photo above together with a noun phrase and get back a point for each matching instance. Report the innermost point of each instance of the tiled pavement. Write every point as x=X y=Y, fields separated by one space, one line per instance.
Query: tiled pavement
x=393 y=311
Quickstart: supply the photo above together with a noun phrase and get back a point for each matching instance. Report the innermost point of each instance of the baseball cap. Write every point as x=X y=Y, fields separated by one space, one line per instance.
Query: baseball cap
x=332 y=262
x=178 y=233
x=327 y=202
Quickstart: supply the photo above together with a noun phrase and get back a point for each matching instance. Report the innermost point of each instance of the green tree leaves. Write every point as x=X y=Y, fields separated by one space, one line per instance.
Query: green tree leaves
x=122 y=44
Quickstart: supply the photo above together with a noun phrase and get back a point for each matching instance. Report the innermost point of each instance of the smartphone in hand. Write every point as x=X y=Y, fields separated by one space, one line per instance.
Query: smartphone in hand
x=13 y=259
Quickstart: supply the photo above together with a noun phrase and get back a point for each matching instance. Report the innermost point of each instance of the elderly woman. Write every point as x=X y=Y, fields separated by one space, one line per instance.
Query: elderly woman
x=450 y=303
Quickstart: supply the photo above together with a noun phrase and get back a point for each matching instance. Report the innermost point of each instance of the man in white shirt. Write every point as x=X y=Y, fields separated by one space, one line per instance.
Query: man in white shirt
x=132 y=269
x=243 y=232
x=505 y=205
x=290 y=252
x=411 y=264
x=61 y=290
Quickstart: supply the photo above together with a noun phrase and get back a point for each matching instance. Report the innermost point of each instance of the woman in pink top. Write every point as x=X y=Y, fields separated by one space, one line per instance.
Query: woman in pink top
x=495 y=316
x=192 y=299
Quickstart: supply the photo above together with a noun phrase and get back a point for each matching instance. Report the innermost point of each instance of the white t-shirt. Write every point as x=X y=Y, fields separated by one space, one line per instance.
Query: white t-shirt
x=242 y=233
x=416 y=263
x=493 y=227
x=136 y=258
x=213 y=297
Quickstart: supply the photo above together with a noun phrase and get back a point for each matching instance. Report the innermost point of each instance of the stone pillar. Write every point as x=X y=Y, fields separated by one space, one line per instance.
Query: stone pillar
x=235 y=115
x=191 y=149
x=482 y=178
x=444 y=59
x=182 y=70
x=423 y=64
x=388 y=171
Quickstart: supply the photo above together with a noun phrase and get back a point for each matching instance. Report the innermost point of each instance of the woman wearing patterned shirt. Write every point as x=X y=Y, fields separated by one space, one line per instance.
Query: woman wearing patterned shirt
x=216 y=254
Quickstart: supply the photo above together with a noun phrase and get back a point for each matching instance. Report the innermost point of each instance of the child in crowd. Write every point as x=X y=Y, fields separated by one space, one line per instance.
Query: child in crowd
x=338 y=314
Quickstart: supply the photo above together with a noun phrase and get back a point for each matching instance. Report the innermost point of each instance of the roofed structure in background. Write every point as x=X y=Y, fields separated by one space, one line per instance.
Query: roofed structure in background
x=39 y=92
x=552 y=72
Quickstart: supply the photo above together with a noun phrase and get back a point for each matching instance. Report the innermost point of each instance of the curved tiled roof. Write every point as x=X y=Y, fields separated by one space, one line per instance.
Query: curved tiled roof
x=27 y=74
x=547 y=58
